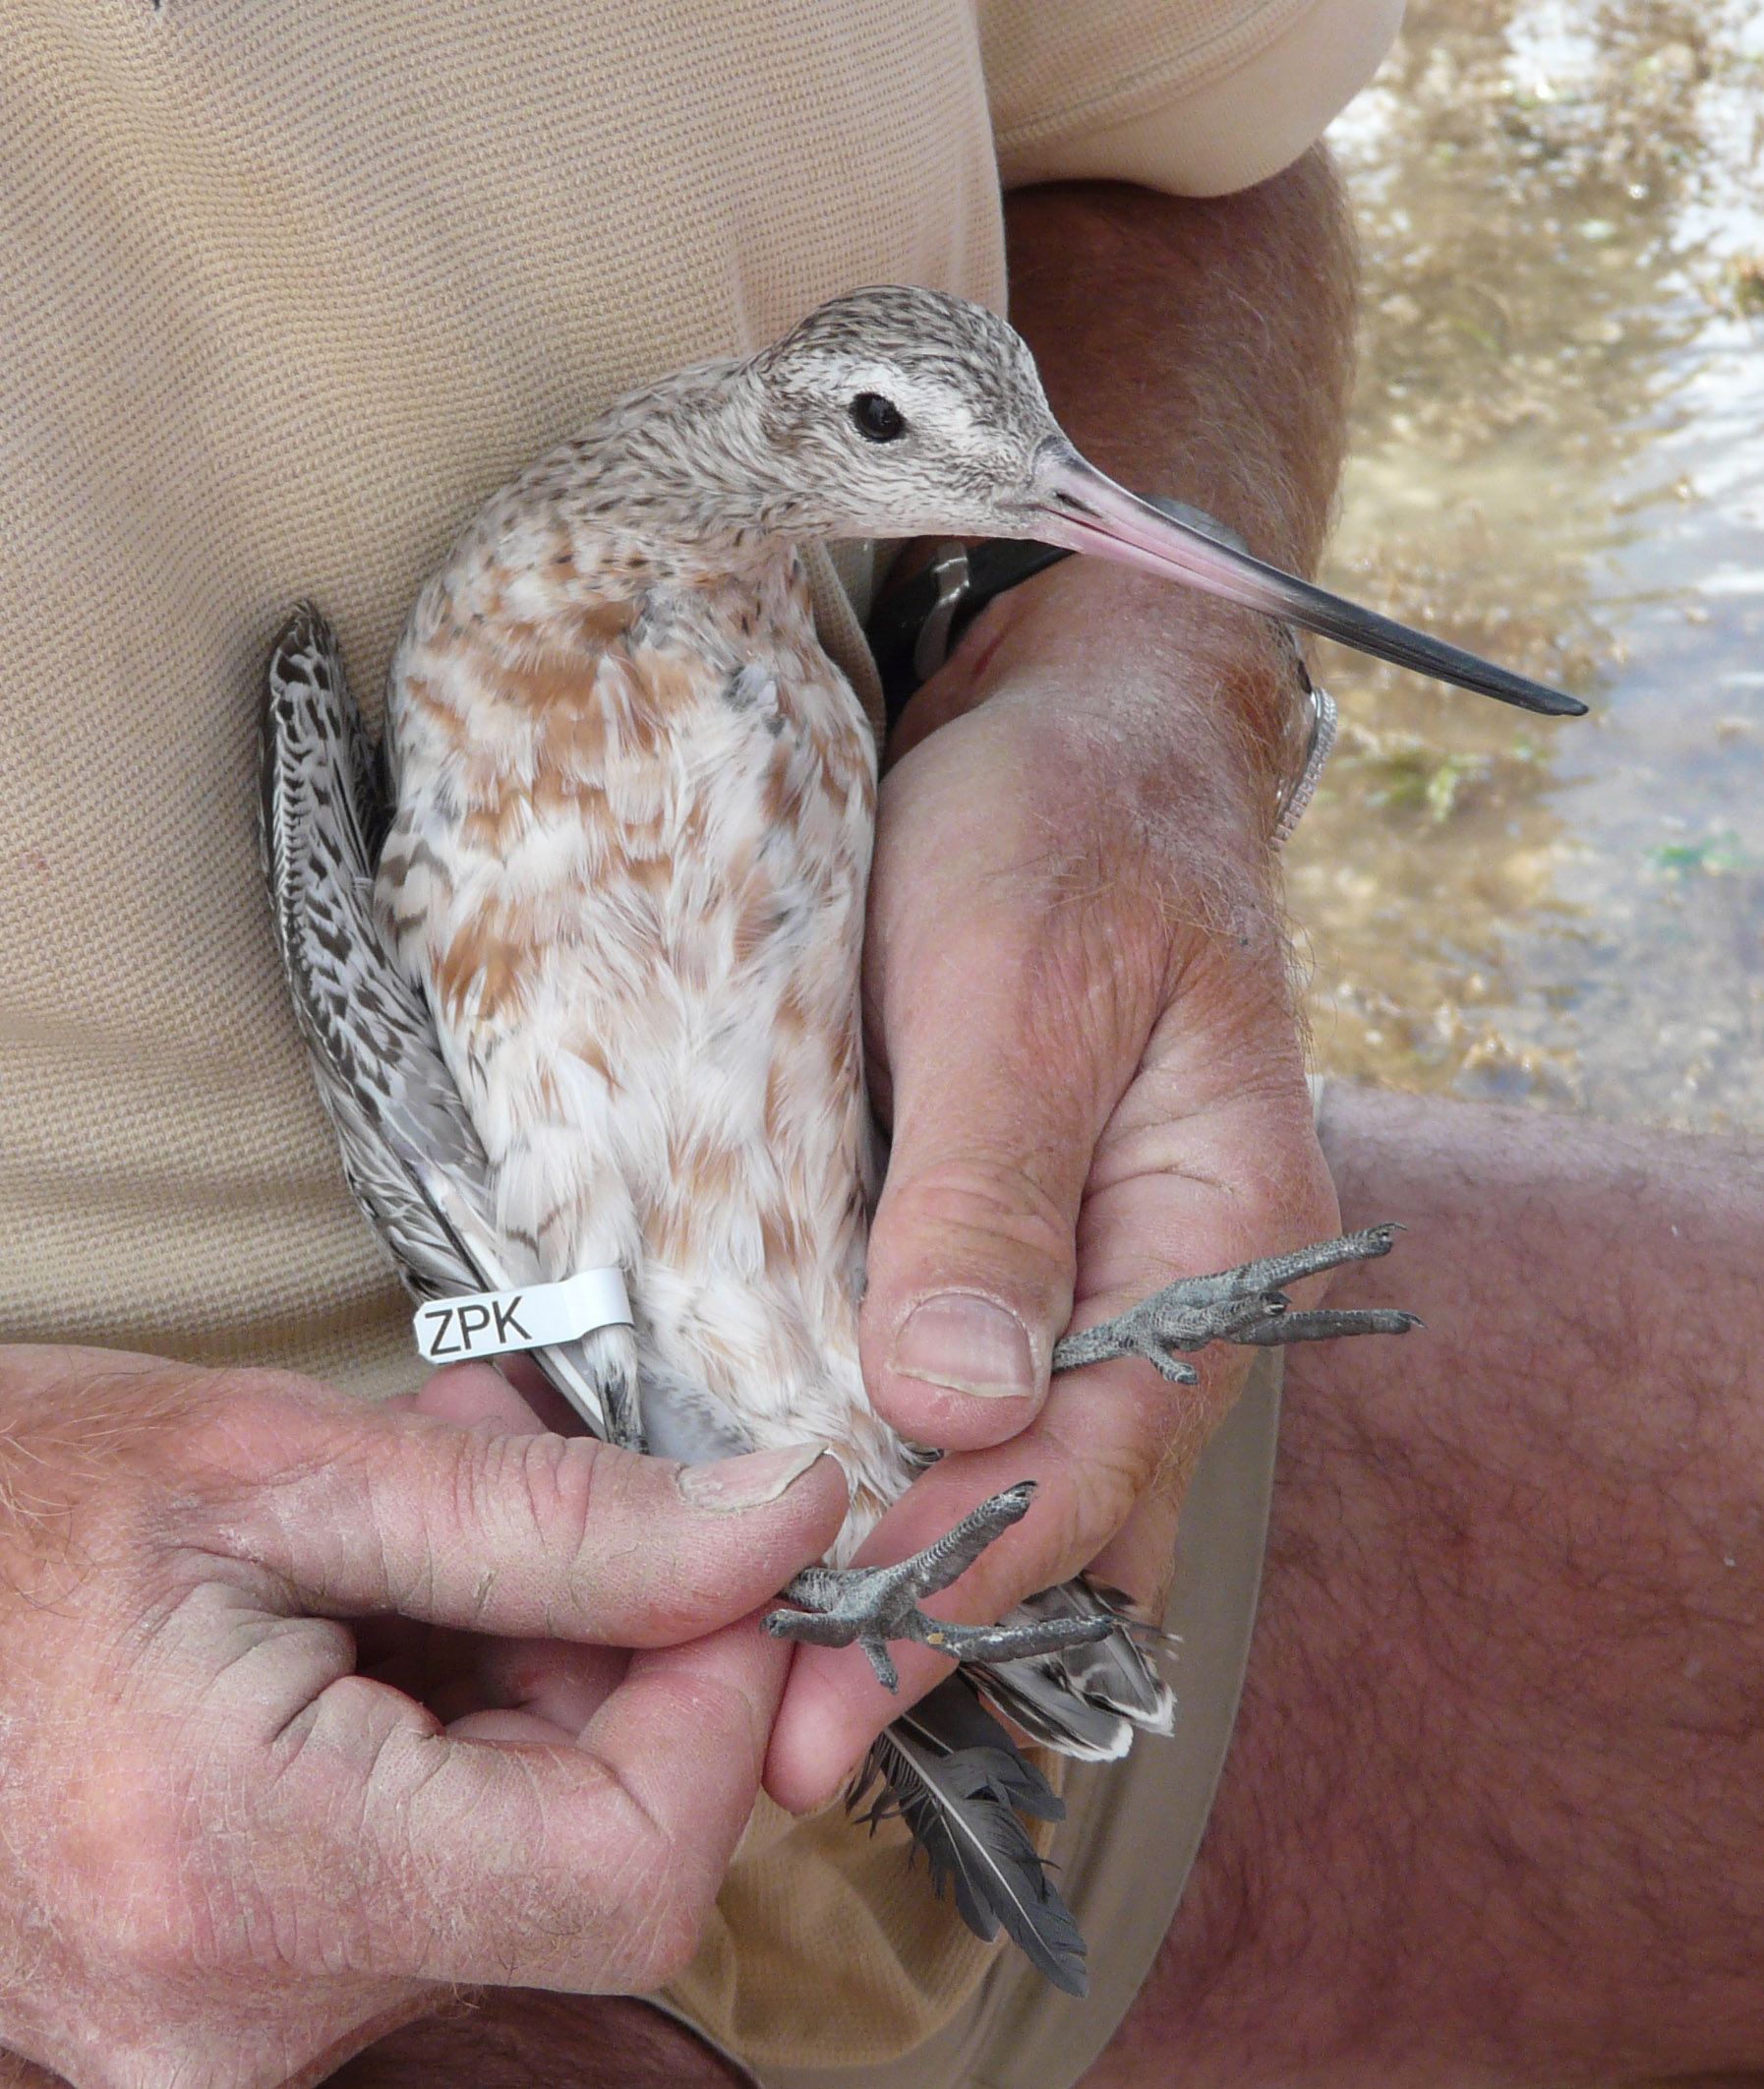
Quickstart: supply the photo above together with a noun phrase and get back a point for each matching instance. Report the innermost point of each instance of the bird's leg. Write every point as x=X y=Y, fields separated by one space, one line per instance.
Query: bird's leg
x=875 y=1604
x=872 y=1606
x=1244 y=1305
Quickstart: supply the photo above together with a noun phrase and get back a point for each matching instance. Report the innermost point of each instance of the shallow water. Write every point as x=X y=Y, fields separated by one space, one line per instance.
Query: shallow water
x=1557 y=459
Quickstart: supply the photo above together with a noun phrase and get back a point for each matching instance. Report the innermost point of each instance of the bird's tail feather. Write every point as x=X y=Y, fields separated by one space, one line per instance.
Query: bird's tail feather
x=953 y=1774
x=1087 y=1701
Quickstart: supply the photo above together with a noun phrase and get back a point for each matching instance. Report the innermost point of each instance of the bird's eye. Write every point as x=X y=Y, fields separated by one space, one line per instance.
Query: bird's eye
x=876 y=419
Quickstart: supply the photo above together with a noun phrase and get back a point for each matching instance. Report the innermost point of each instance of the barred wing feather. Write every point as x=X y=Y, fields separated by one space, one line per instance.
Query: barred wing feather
x=410 y=1152
x=1087 y=1701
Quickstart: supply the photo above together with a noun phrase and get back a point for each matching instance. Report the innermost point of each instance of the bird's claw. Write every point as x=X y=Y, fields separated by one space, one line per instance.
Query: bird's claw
x=1246 y=1305
x=872 y=1606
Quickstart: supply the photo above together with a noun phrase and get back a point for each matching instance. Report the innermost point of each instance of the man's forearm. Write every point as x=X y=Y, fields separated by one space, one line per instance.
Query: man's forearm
x=1199 y=348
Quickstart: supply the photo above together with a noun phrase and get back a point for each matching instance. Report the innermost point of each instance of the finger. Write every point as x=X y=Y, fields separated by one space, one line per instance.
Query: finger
x=470 y=1394
x=518 y=1728
x=1013 y=996
x=507 y=1859
x=1191 y=1177
x=511 y=1534
x=1091 y=1452
x=1140 y=1560
x=515 y=1396
x=1264 y=1131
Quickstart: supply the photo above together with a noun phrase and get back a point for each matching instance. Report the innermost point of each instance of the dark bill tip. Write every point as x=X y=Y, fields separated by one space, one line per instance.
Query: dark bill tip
x=1085 y=511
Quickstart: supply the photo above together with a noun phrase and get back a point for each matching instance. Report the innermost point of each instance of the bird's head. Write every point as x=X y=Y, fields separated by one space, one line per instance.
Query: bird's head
x=895 y=412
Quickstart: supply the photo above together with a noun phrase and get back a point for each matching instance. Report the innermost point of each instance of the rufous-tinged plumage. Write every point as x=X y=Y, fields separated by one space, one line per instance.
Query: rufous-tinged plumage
x=628 y=868
x=634 y=810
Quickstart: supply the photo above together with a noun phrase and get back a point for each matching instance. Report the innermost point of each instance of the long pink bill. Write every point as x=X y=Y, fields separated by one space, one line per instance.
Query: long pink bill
x=1085 y=511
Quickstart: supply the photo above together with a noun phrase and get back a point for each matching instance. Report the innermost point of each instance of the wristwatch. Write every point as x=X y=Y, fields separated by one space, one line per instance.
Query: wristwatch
x=916 y=625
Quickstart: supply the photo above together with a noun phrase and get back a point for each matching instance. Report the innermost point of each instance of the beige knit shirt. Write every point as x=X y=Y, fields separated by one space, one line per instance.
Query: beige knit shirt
x=284 y=292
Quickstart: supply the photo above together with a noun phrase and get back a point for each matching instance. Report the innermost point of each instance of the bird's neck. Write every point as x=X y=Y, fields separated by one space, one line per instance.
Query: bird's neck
x=673 y=481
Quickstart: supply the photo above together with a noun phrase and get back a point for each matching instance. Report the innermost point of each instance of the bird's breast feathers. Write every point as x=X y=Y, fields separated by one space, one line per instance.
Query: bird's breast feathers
x=628 y=868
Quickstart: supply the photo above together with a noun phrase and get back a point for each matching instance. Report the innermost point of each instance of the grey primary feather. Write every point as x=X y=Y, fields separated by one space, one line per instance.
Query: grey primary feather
x=955 y=1777
x=409 y=1150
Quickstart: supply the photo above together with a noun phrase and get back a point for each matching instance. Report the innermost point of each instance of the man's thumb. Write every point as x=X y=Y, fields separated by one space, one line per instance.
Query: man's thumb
x=972 y=1252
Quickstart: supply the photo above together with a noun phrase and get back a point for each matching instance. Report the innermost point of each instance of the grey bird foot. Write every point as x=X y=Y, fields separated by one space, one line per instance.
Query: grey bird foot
x=1242 y=1305
x=872 y=1606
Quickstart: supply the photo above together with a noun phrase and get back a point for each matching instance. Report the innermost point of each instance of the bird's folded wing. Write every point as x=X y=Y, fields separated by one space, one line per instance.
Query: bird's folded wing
x=410 y=1152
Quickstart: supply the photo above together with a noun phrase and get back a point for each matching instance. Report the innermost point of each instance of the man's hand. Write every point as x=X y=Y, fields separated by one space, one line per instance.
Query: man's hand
x=233 y=1851
x=1079 y=1022
x=1095 y=1087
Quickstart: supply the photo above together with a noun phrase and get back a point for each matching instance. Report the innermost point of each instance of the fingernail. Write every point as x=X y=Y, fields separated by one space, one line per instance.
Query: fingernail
x=747 y=1482
x=968 y=1344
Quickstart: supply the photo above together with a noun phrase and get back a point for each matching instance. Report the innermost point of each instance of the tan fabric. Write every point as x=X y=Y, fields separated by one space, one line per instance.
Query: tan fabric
x=1252 y=115
x=285 y=292
x=1192 y=96
x=288 y=291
